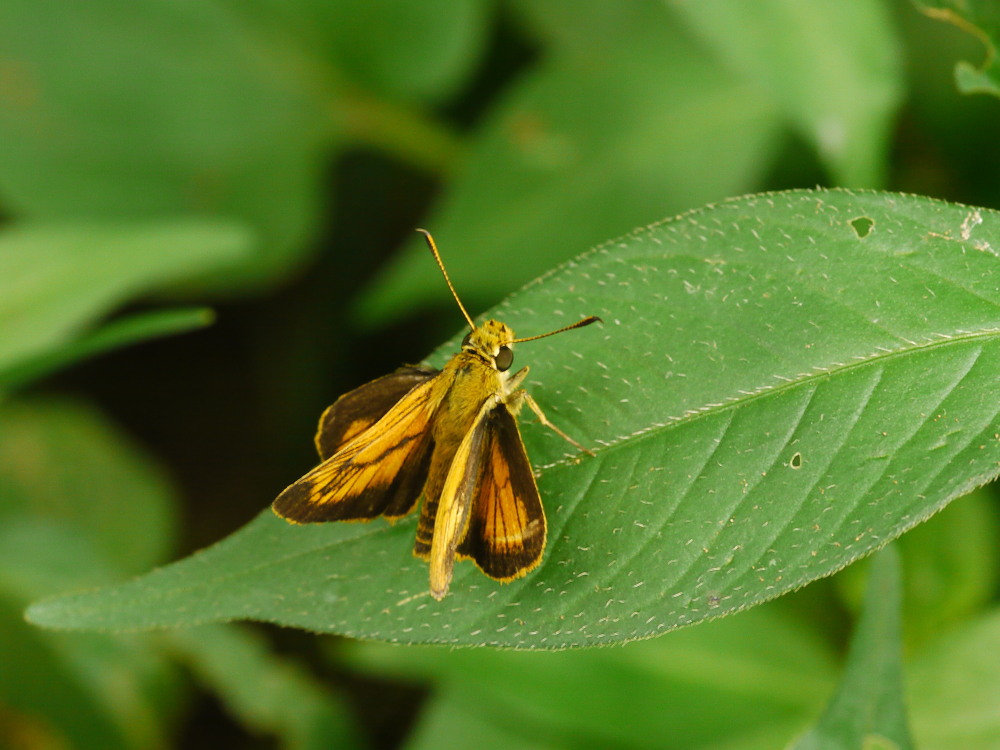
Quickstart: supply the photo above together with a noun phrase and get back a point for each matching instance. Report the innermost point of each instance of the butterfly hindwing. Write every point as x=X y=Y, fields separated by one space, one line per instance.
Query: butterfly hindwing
x=444 y=519
x=506 y=528
x=356 y=411
x=380 y=471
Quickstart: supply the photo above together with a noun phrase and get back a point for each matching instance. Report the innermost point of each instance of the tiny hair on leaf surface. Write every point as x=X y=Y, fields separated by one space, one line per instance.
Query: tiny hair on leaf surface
x=772 y=396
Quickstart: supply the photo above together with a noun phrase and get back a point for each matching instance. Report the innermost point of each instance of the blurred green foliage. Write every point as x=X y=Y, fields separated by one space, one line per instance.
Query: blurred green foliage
x=270 y=157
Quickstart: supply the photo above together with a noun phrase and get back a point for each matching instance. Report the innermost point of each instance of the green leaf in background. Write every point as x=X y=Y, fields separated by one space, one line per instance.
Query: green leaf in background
x=402 y=49
x=833 y=69
x=953 y=687
x=868 y=708
x=749 y=681
x=79 y=506
x=455 y=719
x=83 y=690
x=61 y=462
x=268 y=693
x=950 y=568
x=216 y=118
x=393 y=48
x=130 y=329
x=55 y=281
x=981 y=18
x=783 y=384
x=593 y=140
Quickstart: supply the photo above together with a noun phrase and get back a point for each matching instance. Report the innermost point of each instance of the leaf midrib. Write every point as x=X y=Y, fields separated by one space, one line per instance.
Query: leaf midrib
x=804 y=379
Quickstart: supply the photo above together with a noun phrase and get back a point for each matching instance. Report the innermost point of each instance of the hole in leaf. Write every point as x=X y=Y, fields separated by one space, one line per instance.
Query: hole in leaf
x=796 y=461
x=862 y=226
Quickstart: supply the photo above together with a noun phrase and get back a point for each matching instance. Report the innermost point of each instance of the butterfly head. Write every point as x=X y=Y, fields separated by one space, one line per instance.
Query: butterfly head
x=492 y=341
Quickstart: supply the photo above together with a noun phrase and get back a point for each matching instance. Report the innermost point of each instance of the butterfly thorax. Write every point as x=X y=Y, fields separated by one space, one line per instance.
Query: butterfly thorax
x=472 y=378
x=477 y=374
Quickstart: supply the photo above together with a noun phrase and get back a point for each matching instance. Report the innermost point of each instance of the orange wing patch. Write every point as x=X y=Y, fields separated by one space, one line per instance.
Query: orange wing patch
x=506 y=530
x=380 y=472
x=356 y=411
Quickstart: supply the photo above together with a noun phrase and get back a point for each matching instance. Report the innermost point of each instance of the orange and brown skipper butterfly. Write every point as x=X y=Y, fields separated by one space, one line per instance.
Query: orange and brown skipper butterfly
x=447 y=435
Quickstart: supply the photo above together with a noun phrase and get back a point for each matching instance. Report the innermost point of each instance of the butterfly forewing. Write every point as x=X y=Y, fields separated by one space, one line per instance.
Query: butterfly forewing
x=506 y=529
x=355 y=412
x=381 y=471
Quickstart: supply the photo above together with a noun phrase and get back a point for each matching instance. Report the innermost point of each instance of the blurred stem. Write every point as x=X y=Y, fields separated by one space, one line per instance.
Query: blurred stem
x=401 y=131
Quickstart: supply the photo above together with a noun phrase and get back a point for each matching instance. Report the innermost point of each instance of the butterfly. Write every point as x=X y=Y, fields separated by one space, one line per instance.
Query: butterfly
x=449 y=436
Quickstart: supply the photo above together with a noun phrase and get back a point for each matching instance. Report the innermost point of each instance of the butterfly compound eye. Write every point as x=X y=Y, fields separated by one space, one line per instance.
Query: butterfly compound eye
x=465 y=341
x=504 y=359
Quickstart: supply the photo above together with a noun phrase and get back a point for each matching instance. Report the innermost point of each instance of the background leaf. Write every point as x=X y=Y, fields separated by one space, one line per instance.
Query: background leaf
x=750 y=681
x=62 y=463
x=79 y=506
x=868 y=707
x=954 y=687
x=731 y=466
x=833 y=69
x=128 y=330
x=267 y=692
x=981 y=18
x=218 y=118
x=56 y=281
x=407 y=50
x=626 y=123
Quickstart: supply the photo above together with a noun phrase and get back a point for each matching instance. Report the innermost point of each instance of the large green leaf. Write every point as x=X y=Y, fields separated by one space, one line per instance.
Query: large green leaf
x=784 y=383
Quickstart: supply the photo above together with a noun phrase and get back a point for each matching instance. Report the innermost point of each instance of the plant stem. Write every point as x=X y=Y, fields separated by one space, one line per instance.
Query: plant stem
x=401 y=131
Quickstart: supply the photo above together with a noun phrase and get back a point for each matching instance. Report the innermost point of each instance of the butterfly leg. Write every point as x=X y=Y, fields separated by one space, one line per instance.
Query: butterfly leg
x=526 y=397
x=517 y=398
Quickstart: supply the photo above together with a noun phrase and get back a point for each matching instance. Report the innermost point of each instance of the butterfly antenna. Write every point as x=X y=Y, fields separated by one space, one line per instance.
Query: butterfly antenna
x=579 y=324
x=437 y=257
